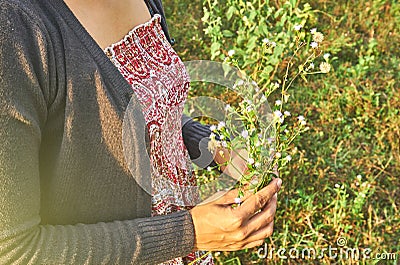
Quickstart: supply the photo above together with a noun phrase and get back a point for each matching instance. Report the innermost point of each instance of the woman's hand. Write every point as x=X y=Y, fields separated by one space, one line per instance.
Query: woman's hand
x=219 y=226
x=236 y=161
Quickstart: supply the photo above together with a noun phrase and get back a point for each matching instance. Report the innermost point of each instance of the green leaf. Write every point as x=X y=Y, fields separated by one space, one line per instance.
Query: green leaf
x=267 y=70
x=253 y=15
x=278 y=50
x=278 y=12
x=283 y=18
x=240 y=39
x=227 y=33
x=215 y=49
x=264 y=29
x=273 y=60
x=206 y=15
x=230 y=12
x=227 y=68
x=251 y=43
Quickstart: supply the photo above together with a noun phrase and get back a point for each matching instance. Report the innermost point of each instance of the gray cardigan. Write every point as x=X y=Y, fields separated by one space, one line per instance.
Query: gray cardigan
x=66 y=194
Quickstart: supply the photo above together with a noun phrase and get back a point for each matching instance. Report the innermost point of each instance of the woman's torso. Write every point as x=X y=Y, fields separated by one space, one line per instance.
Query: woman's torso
x=160 y=82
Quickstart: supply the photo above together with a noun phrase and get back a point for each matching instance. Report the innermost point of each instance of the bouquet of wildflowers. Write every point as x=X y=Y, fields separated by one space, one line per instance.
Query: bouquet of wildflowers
x=261 y=134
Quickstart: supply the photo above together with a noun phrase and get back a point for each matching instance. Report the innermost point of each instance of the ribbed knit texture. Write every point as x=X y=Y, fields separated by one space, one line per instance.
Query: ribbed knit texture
x=197 y=140
x=66 y=193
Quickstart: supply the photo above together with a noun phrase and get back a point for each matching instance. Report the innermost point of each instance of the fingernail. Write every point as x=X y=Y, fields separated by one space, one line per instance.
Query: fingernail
x=279 y=184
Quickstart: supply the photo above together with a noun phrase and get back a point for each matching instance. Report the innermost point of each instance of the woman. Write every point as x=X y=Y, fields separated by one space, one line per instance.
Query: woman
x=67 y=195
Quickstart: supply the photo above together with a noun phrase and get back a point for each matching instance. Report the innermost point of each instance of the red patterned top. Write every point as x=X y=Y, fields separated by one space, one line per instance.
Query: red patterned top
x=160 y=82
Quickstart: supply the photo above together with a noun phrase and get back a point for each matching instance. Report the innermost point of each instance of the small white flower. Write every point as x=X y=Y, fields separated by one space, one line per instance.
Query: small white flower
x=288 y=158
x=212 y=136
x=313 y=30
x=224 y=143
x=257 y=164
x=227 y=107
x=359 y=177
x=231 y=53
x=326 y=56
x=278 y=102
x=278 y=114
x=314 y=45
x=263 y=99
x=301 y=118
x=250 y=161
x=286 y=113
x=221 y=125
x=258 y=143
x=318 y=37
x=265 y=40
x=278 y=155
x=273 y=44
x=240 y=83
x=325 y=67
x=213 y=128
x=298 y=27
x=312 y=65
x=337 y=186
x=303 y=123
x=213 y=144
x=254 y=83
x=209 y=169
x=245 y=134
x=238 y=200
x=221 y=137
x=286 y=131
x=276 y=85
x=249 y=108
x=248 y=102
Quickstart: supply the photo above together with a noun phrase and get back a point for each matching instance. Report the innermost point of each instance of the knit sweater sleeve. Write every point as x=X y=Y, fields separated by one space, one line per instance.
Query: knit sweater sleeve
x=24 y=102
x=196 y=138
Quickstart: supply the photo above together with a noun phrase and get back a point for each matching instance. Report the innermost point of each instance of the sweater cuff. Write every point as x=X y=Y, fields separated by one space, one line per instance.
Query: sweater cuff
x=166 y=237
x=196 y=138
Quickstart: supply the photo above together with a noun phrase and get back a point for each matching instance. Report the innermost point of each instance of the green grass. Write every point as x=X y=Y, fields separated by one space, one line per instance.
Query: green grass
x=354 y=118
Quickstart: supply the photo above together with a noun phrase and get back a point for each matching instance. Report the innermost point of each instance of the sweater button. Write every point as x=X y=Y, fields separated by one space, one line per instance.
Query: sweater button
x=173 y=41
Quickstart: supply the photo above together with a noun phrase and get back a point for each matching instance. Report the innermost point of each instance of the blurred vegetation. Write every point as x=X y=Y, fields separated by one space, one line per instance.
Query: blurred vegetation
x=343 y=180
